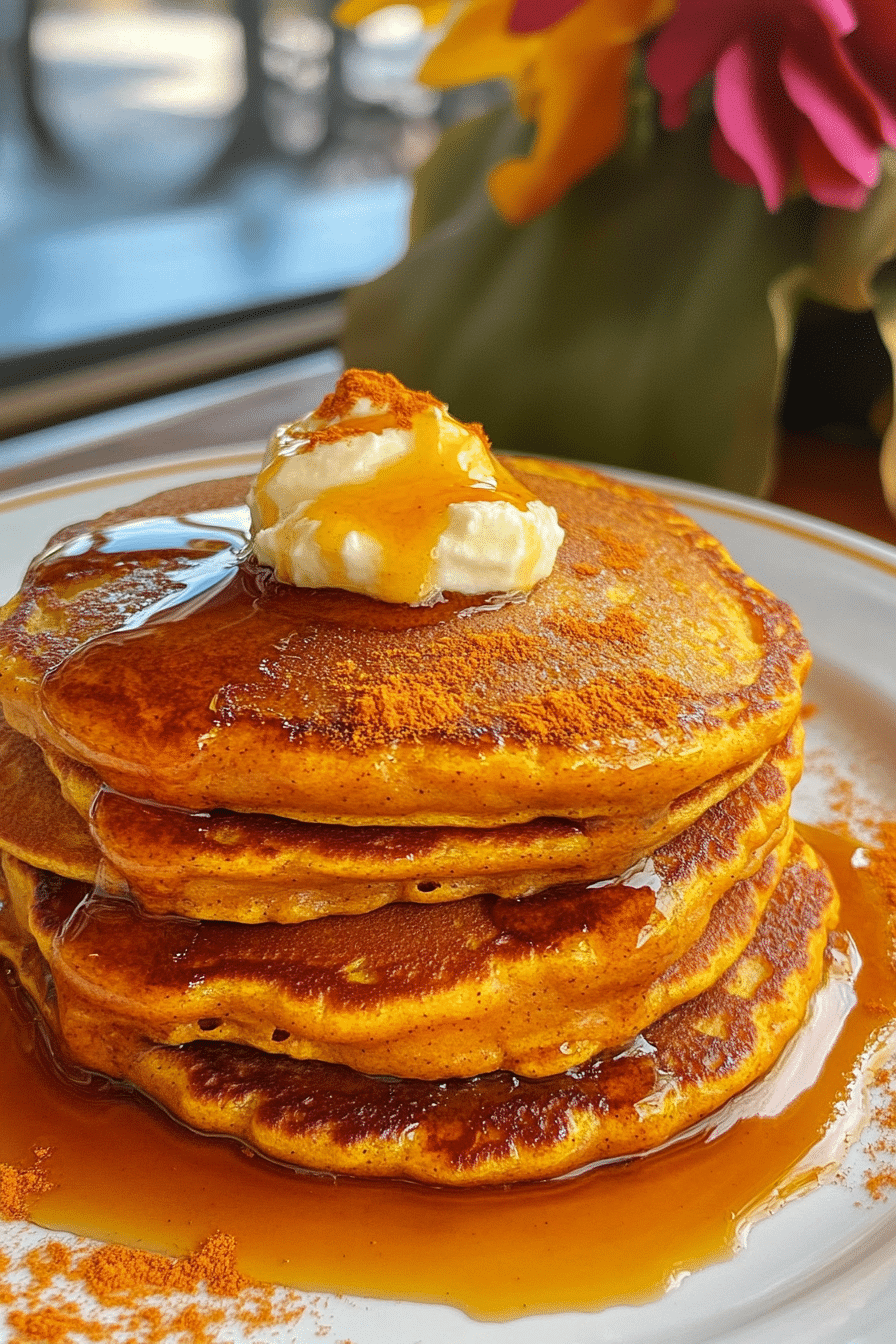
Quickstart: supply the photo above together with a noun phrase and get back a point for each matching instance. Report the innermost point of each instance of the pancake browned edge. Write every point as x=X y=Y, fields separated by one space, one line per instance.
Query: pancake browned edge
x=462 y=988
x=497 y=1128
x=474 y=894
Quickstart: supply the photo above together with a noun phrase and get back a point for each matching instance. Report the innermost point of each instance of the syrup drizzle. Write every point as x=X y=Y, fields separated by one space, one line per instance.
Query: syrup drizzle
x=202 y=553
x=401 y=510
x=622 y=1232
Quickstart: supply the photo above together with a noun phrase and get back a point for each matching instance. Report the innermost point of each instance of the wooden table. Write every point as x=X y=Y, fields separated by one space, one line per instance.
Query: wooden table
x=839 y=482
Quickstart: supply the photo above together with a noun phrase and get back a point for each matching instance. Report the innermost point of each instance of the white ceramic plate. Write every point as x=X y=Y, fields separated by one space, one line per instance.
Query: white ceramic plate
x=822 y=1270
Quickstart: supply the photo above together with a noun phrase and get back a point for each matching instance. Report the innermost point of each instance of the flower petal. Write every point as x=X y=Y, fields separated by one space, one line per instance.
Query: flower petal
x=580 y=123
x=685 y=50
x=841 y=14
x=531 y=16
x=479 y=47
x=873 y=49
x=827 y=179
x=750 y=110
x=351 y=12
x=728 y=163
x=830 y=93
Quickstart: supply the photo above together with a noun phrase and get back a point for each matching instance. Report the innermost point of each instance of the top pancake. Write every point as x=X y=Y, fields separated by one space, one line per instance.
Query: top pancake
x=147 y=647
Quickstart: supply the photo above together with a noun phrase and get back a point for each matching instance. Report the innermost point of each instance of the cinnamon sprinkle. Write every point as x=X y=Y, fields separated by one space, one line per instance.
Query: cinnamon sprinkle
x=381 y=390
x=611 y=707
x=434 y=694
x=883 y=862
x=123 y=1296
x=616 y=552
x=881 y=1178
x=387 y=396
x=19 y=1185
x=620 y=627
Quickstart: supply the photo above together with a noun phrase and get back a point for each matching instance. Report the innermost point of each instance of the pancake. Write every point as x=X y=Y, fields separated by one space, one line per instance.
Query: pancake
x=254 y=869
x=436 y=991
x=499 y=1127
x=148 y=648
x=469 y=893
x=36 y=824
x=479 y=1017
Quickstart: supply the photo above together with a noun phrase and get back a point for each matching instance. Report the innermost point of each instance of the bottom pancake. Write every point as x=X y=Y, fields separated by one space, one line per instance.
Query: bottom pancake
x=498 y=1127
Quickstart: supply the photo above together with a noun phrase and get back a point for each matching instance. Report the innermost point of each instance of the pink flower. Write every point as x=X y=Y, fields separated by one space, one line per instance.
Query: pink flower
x=805 y=90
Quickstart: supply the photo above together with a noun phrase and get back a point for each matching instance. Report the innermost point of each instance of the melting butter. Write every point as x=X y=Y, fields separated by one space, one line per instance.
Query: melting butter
x=401 y=502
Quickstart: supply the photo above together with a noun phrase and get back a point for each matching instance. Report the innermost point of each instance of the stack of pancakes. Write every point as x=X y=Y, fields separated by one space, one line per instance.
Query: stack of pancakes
x=473 y=893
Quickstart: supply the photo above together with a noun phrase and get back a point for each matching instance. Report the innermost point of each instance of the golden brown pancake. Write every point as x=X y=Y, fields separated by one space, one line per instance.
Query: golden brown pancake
x=146 y=648
x=442 y=1032
x=251 y=868
x=499 y=1127
x=436 y=991
x=479 y=892
x=36 y=824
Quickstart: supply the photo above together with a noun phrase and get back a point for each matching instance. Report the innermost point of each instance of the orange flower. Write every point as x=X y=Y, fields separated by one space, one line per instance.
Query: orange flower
x=571 y=79
x=351 y=12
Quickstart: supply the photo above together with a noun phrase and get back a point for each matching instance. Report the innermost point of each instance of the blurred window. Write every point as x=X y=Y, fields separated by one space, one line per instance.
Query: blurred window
x=173 y=169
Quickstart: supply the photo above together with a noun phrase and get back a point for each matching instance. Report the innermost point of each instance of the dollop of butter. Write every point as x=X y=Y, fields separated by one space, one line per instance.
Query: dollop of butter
x=381 y=491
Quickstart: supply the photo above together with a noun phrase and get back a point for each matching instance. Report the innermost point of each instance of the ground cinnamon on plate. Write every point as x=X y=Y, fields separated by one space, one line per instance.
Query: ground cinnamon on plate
x=883 y=862
x=124 y=1296
x=881 y=1178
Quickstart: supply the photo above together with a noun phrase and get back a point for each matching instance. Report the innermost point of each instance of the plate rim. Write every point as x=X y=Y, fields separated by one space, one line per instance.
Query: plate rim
x=832 y=536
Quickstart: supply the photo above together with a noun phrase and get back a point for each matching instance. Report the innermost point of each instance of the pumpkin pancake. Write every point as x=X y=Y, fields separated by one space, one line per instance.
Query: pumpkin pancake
x=499 y=1127
x=149 y=648
x=458 y=988
x=252 y=869
x=443 y=1031
x=468 y=893
x=36 y=824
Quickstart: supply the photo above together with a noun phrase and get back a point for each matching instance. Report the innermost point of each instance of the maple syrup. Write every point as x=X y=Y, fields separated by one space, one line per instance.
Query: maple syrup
x=401 y=510
x=622 y=1232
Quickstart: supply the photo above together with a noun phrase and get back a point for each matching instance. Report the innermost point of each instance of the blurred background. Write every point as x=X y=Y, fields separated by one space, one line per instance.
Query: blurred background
x=197 y=177
x=188 y=186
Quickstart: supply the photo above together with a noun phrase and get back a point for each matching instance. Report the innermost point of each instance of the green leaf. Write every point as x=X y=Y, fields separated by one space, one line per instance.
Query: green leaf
x=630 y=324
x=646 y=320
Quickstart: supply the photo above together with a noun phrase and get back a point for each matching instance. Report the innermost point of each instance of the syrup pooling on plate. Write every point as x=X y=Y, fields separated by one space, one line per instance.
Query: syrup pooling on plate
x=620 y=1233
